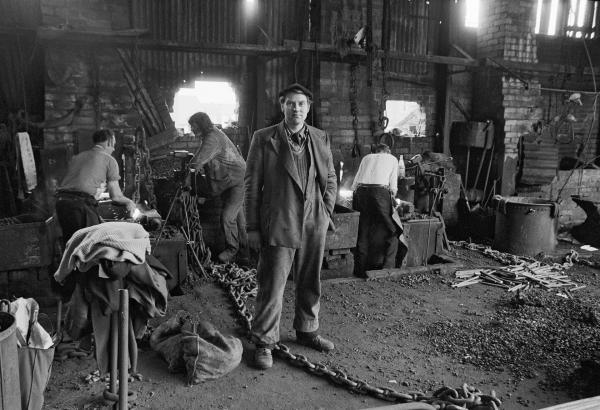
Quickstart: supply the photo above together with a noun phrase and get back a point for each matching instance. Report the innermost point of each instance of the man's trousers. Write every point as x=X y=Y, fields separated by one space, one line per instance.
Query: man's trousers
x=274 y=266
x=377 y=231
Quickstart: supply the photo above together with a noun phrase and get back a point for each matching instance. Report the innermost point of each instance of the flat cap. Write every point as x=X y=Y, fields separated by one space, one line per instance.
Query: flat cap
x=296 y=88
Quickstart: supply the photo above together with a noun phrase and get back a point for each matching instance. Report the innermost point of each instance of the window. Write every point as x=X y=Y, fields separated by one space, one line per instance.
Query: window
x=574 y=18
x=581 y=21
x=216 y=98
x=472 y=13
x=406 y=118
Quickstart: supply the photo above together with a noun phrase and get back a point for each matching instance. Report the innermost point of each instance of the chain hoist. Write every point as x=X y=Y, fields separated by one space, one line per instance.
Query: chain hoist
x=354 y=109
x=240 y=284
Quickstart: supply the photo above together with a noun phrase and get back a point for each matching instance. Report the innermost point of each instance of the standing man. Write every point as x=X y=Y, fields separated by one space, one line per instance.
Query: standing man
x=88 y=175
x=224 y=168
x=375 y=185
x=290 y=195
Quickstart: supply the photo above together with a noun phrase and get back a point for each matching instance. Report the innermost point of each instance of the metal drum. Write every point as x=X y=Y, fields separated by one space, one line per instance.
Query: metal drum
x=525 y=226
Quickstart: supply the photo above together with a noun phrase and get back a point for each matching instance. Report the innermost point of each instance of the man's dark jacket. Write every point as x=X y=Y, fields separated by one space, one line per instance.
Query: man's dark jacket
x=274 y=201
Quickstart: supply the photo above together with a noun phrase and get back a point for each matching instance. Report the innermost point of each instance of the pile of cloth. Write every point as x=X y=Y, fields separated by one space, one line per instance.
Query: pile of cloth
x=105 y=258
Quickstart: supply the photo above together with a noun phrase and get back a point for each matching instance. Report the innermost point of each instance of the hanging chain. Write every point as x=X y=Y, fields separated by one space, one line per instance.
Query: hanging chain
x=383 y=120
x=354 y=102
x=192 y=230
x=240 y=284
x=144 y=153
x=137 y=176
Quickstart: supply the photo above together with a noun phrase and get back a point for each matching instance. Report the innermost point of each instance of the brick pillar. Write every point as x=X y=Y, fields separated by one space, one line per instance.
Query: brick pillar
x=506 y=32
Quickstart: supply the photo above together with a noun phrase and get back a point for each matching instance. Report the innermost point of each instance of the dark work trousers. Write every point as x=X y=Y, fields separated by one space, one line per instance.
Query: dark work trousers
x=74 y=212
x=233 y=220
x=377 y=241
x=275 y=264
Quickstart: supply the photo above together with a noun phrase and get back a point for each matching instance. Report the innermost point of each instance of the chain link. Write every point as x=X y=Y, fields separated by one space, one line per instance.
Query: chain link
x=573 y=257
x=145 y=169
x=192 y=230
x=137 y=176
x=354 y=101
x=510 y=259
x=241 y=284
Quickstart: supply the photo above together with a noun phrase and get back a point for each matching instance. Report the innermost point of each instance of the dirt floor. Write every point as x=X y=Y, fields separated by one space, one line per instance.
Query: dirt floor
x=413 y=332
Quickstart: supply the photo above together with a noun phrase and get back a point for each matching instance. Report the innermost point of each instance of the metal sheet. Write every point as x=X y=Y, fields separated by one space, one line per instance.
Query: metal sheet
x=185 y=21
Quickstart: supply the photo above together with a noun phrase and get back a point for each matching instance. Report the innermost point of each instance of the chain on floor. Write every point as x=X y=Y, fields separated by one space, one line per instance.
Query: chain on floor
x=241 y=284
x=569 y=259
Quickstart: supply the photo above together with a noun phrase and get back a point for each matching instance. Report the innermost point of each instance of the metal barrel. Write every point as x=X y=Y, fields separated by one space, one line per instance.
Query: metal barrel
x=10 y=390
x=525 y=225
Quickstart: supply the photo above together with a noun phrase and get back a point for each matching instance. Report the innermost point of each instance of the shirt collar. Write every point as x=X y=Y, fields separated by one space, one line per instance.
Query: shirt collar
x=301 y=132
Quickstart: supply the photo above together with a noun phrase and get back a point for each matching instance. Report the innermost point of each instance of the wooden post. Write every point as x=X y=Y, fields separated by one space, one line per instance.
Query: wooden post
x=123 y=347
x=114 y=349
x=59 y=319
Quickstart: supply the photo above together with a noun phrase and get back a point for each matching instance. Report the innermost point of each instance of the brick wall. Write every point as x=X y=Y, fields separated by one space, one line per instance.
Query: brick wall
x=506 y=32
x=580 y=182
x=336 y=117
x=91 y=75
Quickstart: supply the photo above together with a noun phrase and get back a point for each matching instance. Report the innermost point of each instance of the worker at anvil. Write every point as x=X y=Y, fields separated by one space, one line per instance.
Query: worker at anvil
x=89 y=174
x=375 y=186
x=224 y=168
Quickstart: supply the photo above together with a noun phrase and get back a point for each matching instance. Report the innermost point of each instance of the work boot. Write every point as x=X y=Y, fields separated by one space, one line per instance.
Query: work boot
x=263 y=358
x=314 y=341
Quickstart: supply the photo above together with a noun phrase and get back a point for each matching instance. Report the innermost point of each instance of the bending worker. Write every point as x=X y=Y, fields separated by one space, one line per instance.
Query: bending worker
x=224 y=169
x=290 y=195
x=375 y=185
x=89 y=174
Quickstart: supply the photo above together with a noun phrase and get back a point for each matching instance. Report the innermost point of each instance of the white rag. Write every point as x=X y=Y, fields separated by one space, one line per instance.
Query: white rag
x=115 y=241
x=22 y=309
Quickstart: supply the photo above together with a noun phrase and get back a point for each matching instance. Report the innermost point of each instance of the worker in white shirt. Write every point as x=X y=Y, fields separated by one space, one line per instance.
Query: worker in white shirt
x=375 y=186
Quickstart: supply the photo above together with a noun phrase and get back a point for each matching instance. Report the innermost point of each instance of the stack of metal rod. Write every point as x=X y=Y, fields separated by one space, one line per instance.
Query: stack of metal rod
x=520 y=276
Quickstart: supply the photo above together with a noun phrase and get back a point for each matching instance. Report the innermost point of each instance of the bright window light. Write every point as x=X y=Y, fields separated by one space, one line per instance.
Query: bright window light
x=406 y=118
x=572 y=11
x=581 y=14
x=538 y=16
x=216 y=98
x=250 y=7
x=553 y=16
x=472 y=14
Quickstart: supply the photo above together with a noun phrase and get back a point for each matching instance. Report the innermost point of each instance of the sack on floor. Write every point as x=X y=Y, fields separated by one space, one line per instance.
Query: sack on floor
x=166 y=340
x=196 y=347
x=207 y=353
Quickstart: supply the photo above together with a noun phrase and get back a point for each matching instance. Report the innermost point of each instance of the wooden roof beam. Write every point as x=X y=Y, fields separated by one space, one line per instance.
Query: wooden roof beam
x=359 y=52
x=130 y=38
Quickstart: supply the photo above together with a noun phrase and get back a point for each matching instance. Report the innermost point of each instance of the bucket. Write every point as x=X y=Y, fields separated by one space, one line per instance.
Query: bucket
x=10 y=391
x=525 y=226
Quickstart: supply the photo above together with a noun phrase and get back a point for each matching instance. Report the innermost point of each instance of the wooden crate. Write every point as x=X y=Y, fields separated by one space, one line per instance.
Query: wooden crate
x=27 y=245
